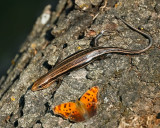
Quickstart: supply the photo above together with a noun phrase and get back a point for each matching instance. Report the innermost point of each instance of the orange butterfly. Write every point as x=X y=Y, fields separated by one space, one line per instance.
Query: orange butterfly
x=79 y=110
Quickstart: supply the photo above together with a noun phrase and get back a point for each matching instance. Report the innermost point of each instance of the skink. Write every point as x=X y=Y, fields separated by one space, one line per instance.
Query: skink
x=83 y=58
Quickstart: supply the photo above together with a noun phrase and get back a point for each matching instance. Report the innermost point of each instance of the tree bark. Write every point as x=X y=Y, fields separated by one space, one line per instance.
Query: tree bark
x=129 y=85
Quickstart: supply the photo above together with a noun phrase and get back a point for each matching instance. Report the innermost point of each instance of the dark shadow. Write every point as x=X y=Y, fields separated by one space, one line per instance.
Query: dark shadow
x=81 y=36
x=16 y=123
x=71 y=8
x=49 y=36
x=47 y=107
x=65 y=45
x=21 y=105
x=158 y=116
x=46 y=65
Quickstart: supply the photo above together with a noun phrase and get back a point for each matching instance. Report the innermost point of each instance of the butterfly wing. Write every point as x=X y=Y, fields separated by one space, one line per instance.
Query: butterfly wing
x=76 y=111
x=64 y=109
x=68 y=111
x=90 y=100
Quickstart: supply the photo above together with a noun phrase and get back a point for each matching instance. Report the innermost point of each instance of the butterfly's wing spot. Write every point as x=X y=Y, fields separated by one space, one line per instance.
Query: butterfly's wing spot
x=87 y=93
x=85 y=97
x=59 y=107
x=88 y=105
x=67 y=114
x=65 y=105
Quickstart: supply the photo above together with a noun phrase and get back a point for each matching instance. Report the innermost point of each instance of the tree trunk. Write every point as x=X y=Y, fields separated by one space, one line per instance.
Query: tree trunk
x=129 y=85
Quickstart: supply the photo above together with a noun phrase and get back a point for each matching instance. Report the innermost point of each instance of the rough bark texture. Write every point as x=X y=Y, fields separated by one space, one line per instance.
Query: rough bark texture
x=129 y=85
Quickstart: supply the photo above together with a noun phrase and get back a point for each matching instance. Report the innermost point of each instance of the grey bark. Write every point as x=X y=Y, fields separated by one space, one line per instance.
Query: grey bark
x=129 y=85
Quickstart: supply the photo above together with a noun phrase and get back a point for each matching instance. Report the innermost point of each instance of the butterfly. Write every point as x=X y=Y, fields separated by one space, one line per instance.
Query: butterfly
x=79 y=110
